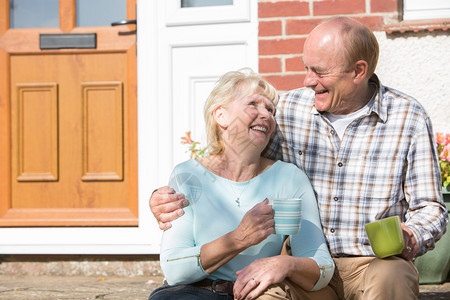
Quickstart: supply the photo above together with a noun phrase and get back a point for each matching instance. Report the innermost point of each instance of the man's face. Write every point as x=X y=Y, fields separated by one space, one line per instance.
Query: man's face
x=326 y=74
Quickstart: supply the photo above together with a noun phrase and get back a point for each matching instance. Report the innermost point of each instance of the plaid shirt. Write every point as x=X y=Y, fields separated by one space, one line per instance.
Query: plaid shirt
x=386 y=164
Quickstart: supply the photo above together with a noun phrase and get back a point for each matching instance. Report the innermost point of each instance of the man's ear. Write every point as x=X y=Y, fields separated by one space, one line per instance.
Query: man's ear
x=360 y=70
x=221 y=117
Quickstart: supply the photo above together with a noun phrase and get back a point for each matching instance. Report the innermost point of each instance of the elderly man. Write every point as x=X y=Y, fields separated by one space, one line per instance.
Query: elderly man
x=369 y=152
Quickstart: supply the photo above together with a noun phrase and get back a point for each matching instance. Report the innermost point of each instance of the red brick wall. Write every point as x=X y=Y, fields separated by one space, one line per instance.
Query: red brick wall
x=284 y=25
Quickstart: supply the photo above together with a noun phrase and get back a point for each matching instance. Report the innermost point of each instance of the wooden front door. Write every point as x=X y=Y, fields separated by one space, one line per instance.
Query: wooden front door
x=68 y=140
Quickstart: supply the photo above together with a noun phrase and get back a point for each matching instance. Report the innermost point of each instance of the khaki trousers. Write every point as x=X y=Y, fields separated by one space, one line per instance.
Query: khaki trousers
x=378 y=278
x=288 y=290
x=355 y=278
x=291 y=291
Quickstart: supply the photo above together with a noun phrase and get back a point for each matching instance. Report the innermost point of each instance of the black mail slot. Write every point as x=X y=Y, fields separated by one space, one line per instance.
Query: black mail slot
x=68 y=41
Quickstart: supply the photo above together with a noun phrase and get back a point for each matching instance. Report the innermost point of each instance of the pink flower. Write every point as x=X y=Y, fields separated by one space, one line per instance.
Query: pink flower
x=194 y=148
x=445 y=154
x=187 y=139
x=447 y=139
x=440 y=138
x=443 y=148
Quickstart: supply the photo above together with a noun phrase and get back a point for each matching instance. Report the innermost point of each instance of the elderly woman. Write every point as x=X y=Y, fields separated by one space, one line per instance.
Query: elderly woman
x=225 y=242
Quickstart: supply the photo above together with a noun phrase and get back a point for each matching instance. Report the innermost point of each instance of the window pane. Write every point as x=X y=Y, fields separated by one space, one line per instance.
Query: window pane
x=100 y=12
x=431 y=9
x=199 y=3
x=34 y=13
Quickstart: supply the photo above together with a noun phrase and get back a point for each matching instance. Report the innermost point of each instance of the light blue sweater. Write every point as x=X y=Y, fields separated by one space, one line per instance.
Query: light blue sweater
x=213 y=212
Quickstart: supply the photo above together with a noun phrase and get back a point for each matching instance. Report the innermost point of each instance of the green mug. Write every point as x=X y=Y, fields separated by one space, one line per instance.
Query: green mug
x=386 y=236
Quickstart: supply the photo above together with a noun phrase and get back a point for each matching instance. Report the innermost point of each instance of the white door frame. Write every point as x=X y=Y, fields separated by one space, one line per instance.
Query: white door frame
x=154 y=159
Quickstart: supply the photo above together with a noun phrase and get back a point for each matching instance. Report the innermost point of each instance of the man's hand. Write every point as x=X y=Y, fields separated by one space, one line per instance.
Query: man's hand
x=411 y=245
x=166 y=206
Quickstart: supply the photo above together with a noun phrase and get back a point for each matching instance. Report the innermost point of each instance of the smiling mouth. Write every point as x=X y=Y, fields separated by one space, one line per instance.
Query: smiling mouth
x=321 y=92
x=259 y=128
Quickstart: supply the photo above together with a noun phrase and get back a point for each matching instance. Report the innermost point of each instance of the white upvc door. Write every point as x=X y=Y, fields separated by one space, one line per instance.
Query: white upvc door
x=196 y=45
x=182 y=51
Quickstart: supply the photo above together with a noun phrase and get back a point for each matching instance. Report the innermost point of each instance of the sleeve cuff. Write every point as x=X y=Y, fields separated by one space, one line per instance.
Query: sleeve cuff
x=326 y=269
x=183 y=266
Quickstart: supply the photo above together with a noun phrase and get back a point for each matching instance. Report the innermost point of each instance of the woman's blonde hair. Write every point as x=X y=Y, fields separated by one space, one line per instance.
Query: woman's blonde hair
x=231 y=85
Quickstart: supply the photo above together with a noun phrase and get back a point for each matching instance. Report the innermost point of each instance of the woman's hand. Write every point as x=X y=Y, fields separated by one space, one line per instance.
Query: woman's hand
x=256 y=225
x=259 y=275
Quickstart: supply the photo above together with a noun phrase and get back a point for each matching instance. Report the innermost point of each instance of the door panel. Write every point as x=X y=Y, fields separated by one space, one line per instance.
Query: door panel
x=70 y=116
x=103 y=131
x=36 y=133
x=193 y=79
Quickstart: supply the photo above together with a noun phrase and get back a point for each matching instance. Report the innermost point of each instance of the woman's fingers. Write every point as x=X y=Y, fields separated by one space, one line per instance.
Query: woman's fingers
x=251 y=283
x=249 y=286
x=257 y=224
x=258 y=290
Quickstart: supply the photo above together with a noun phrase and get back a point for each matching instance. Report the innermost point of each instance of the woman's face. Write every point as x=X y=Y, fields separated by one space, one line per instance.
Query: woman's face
x=250 y=122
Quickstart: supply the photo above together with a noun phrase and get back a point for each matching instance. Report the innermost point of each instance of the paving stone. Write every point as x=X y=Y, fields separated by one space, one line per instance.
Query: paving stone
x=118 y=287
x=77 y=287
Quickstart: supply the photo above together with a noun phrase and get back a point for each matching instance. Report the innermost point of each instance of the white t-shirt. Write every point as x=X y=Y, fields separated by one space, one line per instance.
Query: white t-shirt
x=340 y=122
